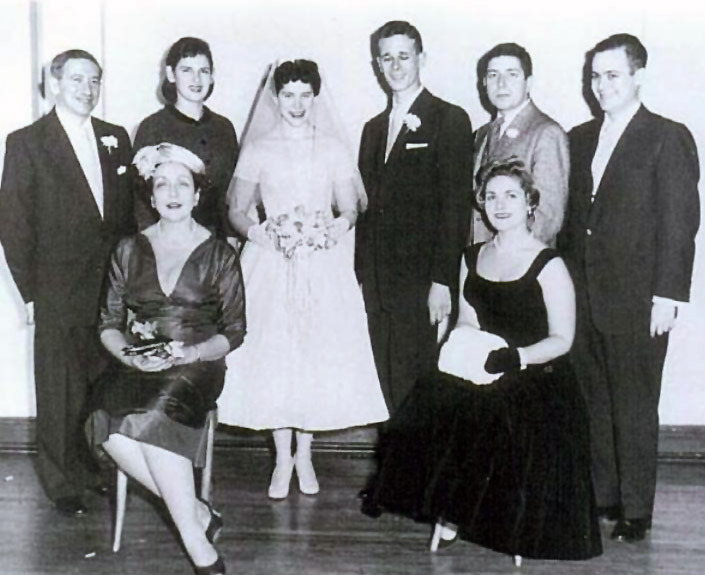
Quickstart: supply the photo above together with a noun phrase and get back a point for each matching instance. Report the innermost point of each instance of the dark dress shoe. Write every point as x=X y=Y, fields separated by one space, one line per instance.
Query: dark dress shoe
x=630 y=530
x=364 y=493
x=370 y=508
x=609 y=513
x=71 y=506
x=215 y=525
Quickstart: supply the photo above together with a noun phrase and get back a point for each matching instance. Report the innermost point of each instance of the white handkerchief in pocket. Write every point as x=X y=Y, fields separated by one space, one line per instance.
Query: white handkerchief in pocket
x=416 y=145
x=465 y=353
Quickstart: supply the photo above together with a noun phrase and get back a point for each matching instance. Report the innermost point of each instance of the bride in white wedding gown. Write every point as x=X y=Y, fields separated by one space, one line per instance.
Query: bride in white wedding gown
x=306 y=363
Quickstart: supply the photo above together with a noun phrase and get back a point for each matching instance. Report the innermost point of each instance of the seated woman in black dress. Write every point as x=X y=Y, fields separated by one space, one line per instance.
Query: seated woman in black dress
x=505 y=465
x=185 y=120
x=175 y=284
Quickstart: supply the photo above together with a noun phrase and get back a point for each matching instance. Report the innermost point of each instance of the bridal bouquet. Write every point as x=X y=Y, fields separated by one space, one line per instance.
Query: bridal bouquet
x=300 y=233
x=149 y=343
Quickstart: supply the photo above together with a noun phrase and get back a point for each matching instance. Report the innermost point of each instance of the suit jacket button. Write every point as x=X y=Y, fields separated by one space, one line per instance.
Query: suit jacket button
x=589 y=232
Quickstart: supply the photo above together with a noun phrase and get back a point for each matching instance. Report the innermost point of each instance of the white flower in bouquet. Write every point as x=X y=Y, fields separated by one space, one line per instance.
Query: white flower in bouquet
x=144 y=331
x=299 y=233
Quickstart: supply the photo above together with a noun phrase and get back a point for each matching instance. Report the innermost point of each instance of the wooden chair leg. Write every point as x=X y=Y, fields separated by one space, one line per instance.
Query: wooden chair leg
x=120 y=501
x=207 y=475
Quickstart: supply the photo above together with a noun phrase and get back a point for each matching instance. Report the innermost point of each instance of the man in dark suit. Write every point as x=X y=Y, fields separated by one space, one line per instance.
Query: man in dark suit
x=65 y=199
x=629 y=241
x=520 y=129
x=416 y=163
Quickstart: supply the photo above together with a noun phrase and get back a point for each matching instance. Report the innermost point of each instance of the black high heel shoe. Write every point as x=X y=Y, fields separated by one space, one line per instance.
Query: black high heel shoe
x=217 y=568
x=215 y=525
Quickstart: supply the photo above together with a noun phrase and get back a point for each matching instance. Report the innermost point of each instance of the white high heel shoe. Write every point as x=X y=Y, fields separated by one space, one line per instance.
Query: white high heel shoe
x=281 y=478
x=306 y=474
x=440 y=542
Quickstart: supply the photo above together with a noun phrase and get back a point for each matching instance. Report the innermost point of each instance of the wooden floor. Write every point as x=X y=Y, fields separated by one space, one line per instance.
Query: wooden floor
x=318 y=535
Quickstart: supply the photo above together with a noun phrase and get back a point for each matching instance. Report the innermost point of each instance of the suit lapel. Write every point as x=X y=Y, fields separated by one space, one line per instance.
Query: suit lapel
x=60 y=152
x=625 y=147
x=418 y=108
x=382 y=133
x=107 y=167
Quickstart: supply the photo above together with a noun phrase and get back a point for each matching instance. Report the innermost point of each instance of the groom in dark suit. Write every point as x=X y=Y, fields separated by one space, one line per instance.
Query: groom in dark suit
x=416 y=163
x=65 y=199
x=629 y=241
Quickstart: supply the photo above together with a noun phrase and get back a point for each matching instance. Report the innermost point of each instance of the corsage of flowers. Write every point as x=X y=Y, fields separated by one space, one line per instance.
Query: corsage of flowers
x=109 y=142
x=412 y=122
x=149 y=343
x=299 y=233
x=148 y=158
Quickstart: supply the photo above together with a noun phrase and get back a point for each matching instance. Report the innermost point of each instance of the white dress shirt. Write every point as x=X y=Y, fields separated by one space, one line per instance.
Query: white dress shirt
x=400 y=108
x=82 y=138
x=508 y=117
x=610 y=133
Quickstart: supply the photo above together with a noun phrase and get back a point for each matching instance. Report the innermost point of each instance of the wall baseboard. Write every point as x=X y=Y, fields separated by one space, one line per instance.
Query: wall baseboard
x=676 y=442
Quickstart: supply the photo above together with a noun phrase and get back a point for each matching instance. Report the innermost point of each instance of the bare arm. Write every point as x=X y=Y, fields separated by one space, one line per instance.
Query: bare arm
x=559 y=298
x=466 y=313
x=242 y=198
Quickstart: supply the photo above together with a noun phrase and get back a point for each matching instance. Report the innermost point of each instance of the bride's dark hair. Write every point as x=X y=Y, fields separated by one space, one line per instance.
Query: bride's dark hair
x=305 y=71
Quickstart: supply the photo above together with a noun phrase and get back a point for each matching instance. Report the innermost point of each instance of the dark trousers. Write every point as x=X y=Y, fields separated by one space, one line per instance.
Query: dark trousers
x=621 y=377
x=66 y=361
x=404 y=347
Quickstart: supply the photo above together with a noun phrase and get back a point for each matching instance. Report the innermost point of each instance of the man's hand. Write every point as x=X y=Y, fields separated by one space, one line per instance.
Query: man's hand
x=29 y=309
x=438 y=303
x=663 y=318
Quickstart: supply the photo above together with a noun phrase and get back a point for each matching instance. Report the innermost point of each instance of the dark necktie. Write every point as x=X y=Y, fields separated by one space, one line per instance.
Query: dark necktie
x=492 y=138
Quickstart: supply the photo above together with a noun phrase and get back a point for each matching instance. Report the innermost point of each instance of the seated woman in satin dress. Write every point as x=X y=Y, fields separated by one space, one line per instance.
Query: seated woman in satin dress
x=176 y=283
x=494 y=446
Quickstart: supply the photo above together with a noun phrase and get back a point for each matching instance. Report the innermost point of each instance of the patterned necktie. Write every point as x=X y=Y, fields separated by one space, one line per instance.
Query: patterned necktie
x=492 y=138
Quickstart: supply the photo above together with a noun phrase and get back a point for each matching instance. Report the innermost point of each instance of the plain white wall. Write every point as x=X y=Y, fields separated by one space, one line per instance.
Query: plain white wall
x=131 y=37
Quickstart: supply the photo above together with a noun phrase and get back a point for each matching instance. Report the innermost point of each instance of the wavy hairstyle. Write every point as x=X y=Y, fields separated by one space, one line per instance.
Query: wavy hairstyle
x=512 y=167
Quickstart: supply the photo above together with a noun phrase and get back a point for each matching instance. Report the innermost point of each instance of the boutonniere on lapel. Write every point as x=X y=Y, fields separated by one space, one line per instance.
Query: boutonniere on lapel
x=512 y=133
x=109 y=142
x=412 y=122
x=121 y=170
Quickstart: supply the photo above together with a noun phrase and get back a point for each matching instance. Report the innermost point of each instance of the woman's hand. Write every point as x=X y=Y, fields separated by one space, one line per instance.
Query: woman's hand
x=188 y=354
x=257 y=234
x=338 y=228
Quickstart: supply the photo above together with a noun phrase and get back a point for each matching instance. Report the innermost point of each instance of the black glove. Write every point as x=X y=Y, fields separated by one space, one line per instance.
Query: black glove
x=502 y=360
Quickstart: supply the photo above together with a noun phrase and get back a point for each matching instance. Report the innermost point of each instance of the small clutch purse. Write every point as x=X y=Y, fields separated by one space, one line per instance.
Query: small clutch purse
x=465 y=353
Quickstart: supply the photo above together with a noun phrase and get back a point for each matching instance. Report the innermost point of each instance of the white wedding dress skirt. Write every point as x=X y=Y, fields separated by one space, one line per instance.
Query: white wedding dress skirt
x=306 y=361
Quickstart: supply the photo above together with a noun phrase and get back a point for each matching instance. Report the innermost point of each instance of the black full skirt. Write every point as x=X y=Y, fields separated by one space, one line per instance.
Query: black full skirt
x=509 y=463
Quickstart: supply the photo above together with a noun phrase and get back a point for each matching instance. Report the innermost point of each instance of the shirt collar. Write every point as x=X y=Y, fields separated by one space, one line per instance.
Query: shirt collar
x=71 y=122
x=403 y=106
x=508 y=117
x=622 y=119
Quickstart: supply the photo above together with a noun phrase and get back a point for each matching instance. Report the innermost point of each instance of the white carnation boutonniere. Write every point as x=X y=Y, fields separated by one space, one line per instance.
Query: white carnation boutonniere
x=109 y=142
x=412 y=122
x=121 y=170
x=512 y=133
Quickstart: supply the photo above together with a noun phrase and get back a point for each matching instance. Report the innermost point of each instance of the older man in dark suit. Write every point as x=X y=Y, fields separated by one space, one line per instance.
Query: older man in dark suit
x=629 y=240
x=416 y=163
x=520 y=129
x=65 y=199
